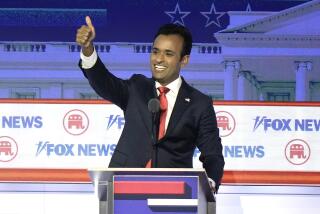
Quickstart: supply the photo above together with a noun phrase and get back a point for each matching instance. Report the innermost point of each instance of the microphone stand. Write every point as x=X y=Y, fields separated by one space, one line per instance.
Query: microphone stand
x=155 y=140
x=154 y=107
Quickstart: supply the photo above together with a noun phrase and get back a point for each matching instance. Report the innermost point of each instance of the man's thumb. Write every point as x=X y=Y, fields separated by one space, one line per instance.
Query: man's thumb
x=89 y=23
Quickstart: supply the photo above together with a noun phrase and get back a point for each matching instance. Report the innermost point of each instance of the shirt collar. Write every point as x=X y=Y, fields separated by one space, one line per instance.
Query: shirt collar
x=174 y=86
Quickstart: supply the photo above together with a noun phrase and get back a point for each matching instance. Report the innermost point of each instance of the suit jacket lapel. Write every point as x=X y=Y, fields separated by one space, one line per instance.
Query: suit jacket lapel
x=182 y=103
x=146 y=93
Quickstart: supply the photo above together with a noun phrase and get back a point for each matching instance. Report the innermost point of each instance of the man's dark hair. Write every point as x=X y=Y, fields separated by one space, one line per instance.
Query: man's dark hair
x=174 y=29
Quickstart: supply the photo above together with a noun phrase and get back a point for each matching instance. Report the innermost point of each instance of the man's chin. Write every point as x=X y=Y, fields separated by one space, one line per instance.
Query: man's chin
x=156 y=77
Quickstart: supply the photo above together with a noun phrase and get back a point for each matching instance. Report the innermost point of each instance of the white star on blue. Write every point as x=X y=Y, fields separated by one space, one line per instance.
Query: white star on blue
x=248 y=7
x=213 y=16
x=177 y=15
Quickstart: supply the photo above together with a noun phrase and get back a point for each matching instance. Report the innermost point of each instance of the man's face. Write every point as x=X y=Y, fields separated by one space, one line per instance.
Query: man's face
x=165 y=59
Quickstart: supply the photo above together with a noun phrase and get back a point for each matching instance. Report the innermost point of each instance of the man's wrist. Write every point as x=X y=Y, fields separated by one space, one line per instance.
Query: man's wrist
x=88 y=61
x=87 y=51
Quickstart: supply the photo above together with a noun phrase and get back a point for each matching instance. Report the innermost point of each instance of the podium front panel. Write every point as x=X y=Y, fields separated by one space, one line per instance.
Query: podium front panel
x=154 y=193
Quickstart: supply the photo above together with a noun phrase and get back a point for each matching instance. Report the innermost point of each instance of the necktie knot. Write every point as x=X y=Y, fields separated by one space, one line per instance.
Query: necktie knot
x=162 y=97
x=163 y=90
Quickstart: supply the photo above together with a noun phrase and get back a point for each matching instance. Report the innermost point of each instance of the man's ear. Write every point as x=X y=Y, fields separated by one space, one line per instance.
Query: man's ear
x=185 y=60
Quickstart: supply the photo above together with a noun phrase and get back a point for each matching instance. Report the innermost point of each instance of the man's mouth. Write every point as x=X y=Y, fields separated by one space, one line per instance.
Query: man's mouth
x=160 y=67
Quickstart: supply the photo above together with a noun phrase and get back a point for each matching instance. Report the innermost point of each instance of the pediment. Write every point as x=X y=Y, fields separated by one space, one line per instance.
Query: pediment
x=294 y=27
x=302 y=20
x=301 y=25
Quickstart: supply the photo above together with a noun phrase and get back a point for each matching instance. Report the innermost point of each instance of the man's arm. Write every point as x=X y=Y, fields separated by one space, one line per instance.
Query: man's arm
x=209 y=144
x=101 y=80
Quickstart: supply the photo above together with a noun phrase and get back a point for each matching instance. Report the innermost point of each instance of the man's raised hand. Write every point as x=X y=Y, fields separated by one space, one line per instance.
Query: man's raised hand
x=85 y=36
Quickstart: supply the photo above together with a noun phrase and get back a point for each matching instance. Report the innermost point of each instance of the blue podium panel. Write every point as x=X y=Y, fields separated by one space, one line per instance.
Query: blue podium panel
x=154 y=194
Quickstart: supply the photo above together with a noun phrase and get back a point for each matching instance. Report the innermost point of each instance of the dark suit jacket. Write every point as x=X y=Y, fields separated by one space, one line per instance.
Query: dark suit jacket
x=192 y=124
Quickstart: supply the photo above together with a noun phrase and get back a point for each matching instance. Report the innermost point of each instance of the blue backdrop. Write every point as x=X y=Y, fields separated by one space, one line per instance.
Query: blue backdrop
x=121 y=20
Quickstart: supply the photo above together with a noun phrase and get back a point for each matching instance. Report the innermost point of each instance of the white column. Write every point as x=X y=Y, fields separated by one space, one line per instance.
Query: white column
x=255 y=88
x=244 y=85
x=230 y=81
x=302 y=80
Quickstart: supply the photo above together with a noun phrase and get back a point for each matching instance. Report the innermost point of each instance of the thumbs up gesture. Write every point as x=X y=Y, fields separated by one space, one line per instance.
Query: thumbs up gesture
x=85 y=35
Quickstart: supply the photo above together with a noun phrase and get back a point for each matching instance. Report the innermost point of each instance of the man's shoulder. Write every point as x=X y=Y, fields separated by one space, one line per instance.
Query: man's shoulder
x=197 y=94
x=141 y=82
x=139 y=78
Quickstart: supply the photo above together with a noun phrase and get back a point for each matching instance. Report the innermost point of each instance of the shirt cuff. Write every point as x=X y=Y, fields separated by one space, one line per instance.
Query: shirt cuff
x=212 y=182
x=88 y=61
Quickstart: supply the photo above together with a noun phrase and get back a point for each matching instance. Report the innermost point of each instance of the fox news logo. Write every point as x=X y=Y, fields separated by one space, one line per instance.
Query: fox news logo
x=239 y=151
x=282 y=124
x=115 y=121
x=51 y=149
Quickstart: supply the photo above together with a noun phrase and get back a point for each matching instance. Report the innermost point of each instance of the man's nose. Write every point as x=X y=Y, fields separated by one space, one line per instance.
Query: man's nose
x=160 y=57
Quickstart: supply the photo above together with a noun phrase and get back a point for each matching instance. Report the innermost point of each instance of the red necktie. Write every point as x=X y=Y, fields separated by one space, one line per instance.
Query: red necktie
x=164 y=109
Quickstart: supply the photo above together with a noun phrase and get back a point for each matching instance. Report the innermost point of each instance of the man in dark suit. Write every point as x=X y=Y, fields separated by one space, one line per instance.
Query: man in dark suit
x=187 y=118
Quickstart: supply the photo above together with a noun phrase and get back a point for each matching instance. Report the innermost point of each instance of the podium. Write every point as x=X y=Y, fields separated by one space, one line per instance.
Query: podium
x=152 y=190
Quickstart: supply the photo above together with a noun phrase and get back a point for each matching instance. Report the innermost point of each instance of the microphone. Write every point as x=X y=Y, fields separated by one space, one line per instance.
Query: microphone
x=154 y=107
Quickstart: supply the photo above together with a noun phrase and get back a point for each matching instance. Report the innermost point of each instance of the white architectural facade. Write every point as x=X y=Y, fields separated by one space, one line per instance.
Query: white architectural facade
x=278 y=52
x=260 y=56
